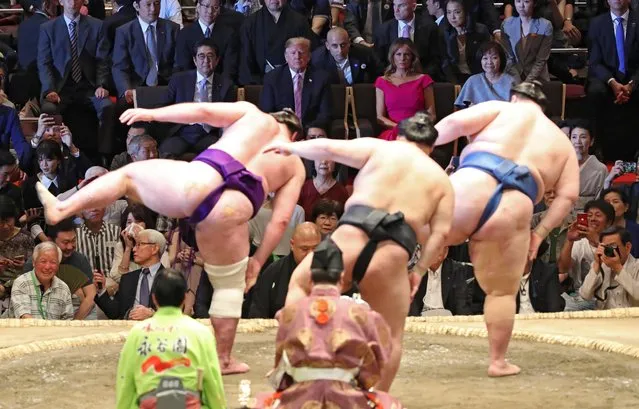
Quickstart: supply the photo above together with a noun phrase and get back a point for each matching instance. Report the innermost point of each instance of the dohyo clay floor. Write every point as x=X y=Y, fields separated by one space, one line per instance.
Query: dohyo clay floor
x=569 y=360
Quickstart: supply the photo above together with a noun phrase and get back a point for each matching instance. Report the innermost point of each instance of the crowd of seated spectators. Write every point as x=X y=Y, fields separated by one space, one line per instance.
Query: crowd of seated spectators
x=70 y=68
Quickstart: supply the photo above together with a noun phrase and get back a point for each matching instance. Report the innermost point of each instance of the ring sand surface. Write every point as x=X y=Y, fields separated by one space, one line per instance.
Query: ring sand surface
x=577 y=360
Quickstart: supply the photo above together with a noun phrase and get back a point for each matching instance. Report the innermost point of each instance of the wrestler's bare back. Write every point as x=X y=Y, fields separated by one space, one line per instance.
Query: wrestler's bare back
x=520 y=134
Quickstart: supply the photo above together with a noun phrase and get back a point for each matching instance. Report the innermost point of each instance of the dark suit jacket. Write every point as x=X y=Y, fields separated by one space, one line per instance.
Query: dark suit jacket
x=223 y=36
x=269 y=293
x=28 y=35
x=54 y=53
x=544 y=290
x=182 y=89
x=455 y=294
x=603 y=61
x=484 y=12
x=477 y=35
x=261 y=37
x=357 y=13
x=11 y=134
x=231 y=18
x=427 y=41
x=118 y=308
x=130 y=58
x=277 y=94
x=361 y=59
x=111 y=23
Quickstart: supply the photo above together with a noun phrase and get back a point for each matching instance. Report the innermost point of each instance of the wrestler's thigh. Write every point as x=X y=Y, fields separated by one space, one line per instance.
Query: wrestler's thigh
x=499 y=264
x=385 y=286
x=513 y=214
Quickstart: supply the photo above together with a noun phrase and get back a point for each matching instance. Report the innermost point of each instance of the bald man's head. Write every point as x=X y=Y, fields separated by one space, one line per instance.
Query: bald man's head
x=95 y=172
x=305 y=238
x=338 y=43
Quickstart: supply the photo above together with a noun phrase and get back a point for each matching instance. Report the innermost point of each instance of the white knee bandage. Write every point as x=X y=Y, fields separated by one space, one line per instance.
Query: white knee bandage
x=228 y=288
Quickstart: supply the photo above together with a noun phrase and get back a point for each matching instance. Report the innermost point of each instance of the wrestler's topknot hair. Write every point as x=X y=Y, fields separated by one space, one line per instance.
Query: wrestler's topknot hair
x=531 y=90
x=419 y=129
x=287 y=117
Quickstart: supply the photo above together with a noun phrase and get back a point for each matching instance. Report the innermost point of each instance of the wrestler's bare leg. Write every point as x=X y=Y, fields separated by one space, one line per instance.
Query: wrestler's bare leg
x=499 y=253
x=223 y=239
x=386 y=289
x=171 y=188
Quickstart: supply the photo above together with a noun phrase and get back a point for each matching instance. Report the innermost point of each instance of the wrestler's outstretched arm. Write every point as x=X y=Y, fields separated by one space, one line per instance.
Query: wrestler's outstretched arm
x=354 y=153
x=283 y=206
x=437 y=231
x=467 y=122
x=216 y=114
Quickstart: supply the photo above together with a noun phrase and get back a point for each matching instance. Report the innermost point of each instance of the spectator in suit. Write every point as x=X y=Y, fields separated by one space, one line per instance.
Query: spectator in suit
x=318 y=12
x=527 y=38
x=73 y=65
x=123 y=158
x=462 y=39
x=123 y=12
x=263 y=36
x=28 y=35
x=269 y=292
x=443 y=290
x=144 y=50
x=133 y=300
x=421 y=31
x=484 y=12
x=296 y=85
x=11 y=133
x=613 y=76
x=199 y=85
x=366 y=24
x=232 y=18
x=437 y=10
x=171 y=10
x=207 y=26
x=344 y=63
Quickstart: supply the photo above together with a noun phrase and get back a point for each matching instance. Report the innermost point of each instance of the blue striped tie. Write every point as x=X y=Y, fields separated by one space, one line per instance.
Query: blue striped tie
x=76 y=71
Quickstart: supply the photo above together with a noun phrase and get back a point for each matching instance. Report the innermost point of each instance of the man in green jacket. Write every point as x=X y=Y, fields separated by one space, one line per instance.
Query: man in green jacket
x=170 y=359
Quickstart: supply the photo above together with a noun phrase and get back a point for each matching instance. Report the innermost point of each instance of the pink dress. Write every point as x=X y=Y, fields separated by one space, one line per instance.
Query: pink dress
x=402 y=101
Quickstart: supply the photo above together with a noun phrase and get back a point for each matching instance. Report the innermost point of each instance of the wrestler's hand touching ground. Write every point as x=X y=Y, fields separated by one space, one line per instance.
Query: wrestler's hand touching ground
x=252 y=271
x=131 y=116
x=280 y=148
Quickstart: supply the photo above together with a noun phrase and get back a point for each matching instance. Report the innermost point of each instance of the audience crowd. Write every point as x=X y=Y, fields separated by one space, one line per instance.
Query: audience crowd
x=70 y=69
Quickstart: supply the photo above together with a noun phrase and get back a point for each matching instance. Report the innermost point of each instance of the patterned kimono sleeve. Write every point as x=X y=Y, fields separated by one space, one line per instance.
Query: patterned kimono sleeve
x=379 y=350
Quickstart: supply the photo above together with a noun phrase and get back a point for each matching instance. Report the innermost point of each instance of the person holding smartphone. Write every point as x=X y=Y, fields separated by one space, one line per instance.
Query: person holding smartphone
x=613 y=278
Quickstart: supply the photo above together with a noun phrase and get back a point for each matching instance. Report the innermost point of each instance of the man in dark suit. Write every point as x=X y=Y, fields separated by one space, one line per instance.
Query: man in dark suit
x=271 y=288
x=133 y=299
x=73 y=68
x=123 y=12
x=344 y=63
x=144 y=50
x=443 y=288
x=206 y=26
x=28 y=34
x=365 y=24
x=263 y=36
x=231 y=18
x=199 y=85
x=421 y=30
x=297 y=86
x=613 y=78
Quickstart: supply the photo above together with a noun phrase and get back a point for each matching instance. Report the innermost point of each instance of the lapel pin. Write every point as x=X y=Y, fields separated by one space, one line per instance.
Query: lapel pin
x=363 y=66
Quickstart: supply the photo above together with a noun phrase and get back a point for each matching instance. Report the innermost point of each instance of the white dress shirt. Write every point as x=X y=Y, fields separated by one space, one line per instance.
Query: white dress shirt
x=77 y=25
x=171 y=10
x=439 y=19
x=433 y=298
x=625 y=23
x=525 y=306
x=204 y=26
x=153 y=270
x=145 y=26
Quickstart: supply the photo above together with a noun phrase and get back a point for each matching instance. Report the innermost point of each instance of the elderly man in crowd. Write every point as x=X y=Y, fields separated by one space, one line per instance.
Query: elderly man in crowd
x=269 y=293
x=133 y=299
x=39 y=293
x=613 y=279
